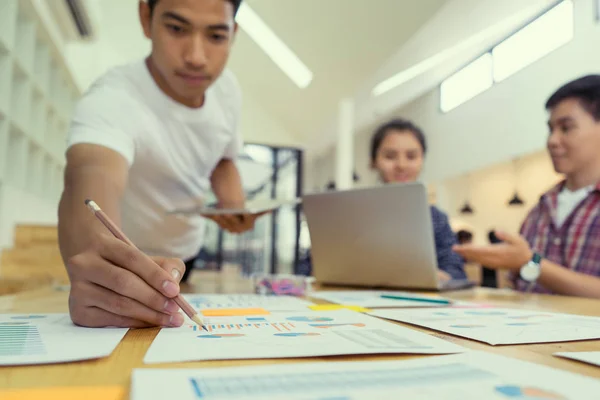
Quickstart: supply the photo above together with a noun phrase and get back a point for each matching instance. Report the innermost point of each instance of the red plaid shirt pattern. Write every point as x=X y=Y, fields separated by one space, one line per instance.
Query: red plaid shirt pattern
x=575 y=245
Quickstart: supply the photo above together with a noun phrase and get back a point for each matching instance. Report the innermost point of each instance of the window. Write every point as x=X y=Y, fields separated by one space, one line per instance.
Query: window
x=467 y=83
x=541 y=37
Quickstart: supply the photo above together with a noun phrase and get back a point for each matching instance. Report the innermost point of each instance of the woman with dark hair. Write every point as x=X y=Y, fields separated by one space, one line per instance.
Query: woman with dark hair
x=398 y=150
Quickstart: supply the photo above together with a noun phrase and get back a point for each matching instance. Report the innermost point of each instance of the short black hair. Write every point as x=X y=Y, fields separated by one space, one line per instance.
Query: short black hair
x=397 y=124
x=585 y=89
x=236 y=5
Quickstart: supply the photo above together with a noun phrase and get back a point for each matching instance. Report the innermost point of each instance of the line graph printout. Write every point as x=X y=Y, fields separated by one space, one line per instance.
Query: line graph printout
x=501 y=326
x=270 y=303
x=286 y=335
x=52 y=338
x=373 y=299
x=468 y=376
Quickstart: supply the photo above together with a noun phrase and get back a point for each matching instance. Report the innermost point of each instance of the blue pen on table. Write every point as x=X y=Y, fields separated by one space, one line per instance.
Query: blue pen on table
x=425 y=300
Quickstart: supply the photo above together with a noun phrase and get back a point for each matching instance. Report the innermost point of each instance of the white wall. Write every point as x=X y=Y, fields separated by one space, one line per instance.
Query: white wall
x=509 y=119
x=20 y=207
x=260 y=126
x=489 y=190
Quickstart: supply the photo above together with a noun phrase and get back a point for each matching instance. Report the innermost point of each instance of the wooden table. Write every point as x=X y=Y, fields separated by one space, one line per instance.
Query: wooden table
x=116 y=369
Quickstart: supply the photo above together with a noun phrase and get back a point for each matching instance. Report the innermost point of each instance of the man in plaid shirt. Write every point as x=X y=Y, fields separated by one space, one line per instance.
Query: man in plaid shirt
x=562 y=232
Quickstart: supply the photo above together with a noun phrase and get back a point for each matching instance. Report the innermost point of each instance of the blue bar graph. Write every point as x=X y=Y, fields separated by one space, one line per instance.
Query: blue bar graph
x=20 y=340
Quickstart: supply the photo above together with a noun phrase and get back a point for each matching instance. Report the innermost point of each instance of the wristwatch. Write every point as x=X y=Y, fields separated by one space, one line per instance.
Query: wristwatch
x=531 y=271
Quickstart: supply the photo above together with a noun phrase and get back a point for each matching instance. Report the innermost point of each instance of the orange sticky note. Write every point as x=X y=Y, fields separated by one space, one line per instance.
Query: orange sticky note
x=234 y=312
x=66 y=393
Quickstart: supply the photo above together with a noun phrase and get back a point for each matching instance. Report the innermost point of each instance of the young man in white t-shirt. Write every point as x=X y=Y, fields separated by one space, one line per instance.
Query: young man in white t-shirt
x=147 y=138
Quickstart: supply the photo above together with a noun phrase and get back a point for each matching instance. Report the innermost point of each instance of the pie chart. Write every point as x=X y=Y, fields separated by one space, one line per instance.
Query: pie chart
x=527 y=393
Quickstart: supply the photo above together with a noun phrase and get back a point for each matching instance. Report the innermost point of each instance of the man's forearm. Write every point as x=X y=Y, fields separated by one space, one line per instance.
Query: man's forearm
x=77 y=226
x=227 y=184
x=563 y=281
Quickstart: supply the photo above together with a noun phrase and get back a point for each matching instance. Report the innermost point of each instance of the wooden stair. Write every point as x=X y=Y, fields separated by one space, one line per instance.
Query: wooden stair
x=33 y=261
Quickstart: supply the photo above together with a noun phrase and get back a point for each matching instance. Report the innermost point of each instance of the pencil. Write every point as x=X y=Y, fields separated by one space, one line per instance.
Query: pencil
x=114 y=229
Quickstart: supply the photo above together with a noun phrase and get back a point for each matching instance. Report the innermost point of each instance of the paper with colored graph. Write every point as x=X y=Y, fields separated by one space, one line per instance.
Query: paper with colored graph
x=284 y=335
x=500 y=326
x=589 y=357
x=373 y=299
x=267 y=302
x=52 y=338
x=469 y=376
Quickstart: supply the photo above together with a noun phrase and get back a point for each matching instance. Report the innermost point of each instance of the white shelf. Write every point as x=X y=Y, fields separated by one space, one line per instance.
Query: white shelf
x=16 y=160
x=38 y=122
x=42 y=67
x=35 y=159
x=48 y=173
x=21 y=100
x=5 y=82
x=25 y=41
x=8 y=23
x=37 y=96
x=3 y=142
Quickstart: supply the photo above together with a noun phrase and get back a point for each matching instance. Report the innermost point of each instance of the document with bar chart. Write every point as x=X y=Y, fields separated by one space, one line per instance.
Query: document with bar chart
x=268 y=302
x=286 y=335
x=52 y=338
x=497 y=326
x=468 y=376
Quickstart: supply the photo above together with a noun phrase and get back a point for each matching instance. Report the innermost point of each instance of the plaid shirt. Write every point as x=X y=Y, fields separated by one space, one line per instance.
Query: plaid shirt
x=575 y=245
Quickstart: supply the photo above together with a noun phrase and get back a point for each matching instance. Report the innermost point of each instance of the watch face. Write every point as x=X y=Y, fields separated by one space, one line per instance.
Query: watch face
x=530 y=271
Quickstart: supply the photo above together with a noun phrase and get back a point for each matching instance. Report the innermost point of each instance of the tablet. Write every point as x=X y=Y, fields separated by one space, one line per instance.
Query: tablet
x=252 y=207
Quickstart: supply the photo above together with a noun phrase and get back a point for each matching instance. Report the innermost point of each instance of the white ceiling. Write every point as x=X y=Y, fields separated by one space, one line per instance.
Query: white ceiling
x=341 y=41
x=350 y=45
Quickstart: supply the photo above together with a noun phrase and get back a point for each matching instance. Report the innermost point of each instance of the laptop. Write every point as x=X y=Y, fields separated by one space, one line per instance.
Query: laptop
x=377 y=238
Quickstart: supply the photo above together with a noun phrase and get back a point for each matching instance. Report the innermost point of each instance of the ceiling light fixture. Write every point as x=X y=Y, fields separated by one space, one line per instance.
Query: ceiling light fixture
x=271 y=44
x=516 y=200
x=416 y=70
x=467 y=209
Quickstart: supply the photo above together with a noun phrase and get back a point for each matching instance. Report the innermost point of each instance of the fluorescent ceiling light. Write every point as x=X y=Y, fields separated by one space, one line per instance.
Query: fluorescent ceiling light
x=281 y=55
x=467 y=83
x=546 y=34
x=416 y=70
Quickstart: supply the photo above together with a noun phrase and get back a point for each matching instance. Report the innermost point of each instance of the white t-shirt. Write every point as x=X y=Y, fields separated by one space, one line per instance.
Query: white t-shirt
x=568 y=200
x=171 y=150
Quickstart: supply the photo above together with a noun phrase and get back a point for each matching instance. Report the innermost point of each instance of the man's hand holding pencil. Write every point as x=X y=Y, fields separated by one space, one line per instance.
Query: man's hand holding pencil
x=115 y=284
